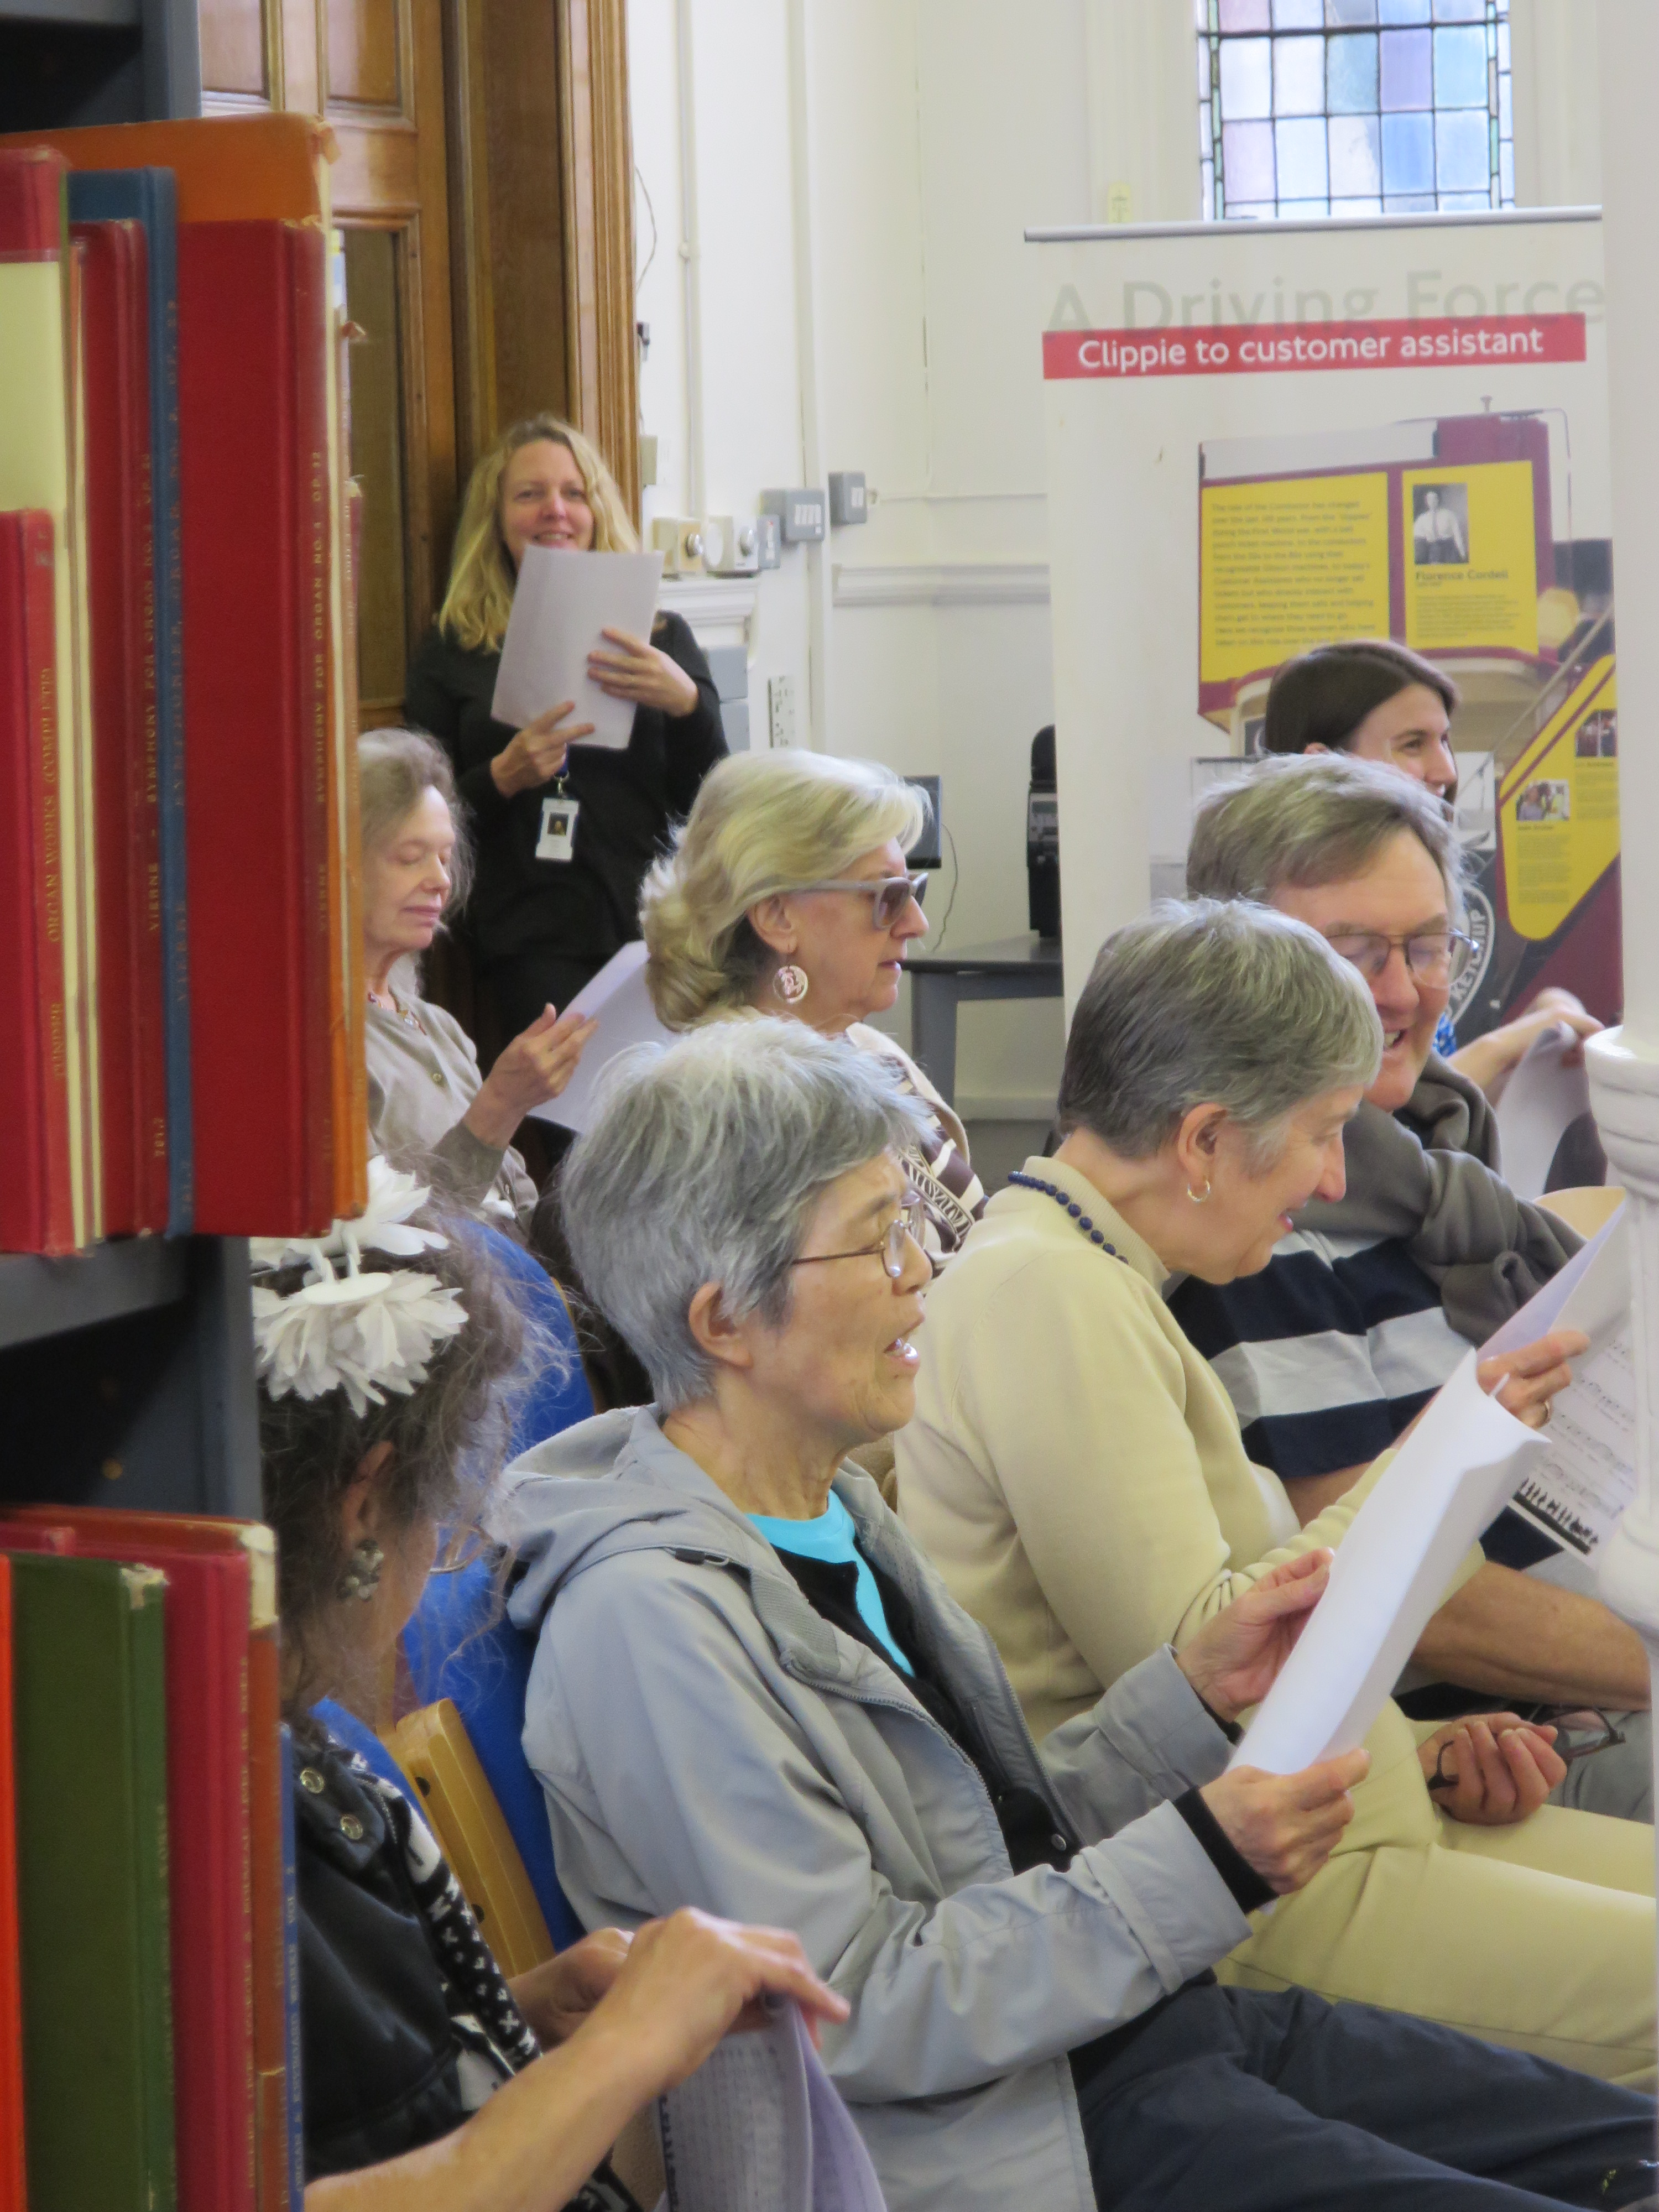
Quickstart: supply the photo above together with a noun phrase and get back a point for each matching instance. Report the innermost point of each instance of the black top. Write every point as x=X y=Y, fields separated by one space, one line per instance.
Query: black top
x=1030 y=1827
x=586 y=907
x=405 y=2021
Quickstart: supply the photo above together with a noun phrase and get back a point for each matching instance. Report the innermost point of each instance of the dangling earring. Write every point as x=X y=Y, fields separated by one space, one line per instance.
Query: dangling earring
x=361 y=1577
x=790 y=983
x=1199 y=1197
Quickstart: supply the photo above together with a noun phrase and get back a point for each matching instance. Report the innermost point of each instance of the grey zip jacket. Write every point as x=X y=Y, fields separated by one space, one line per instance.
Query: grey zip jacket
x=705 y=1738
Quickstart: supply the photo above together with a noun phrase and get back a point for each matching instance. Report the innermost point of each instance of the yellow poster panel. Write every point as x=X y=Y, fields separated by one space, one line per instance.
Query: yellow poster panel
x=1287 y=563
x=1557 y=807
x=1471 y=557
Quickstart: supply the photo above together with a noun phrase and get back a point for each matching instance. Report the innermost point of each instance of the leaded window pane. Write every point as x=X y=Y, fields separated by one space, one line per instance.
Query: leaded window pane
x=1298 y=76
x=1420 y=110
x=1356 y=156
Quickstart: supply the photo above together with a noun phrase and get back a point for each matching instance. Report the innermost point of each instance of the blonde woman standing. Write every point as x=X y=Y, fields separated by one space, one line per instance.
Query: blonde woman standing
x=557 y=890
x=788 y=892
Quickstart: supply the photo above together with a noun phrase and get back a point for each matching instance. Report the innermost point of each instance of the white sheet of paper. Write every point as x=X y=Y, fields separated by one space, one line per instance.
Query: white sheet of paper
x=760 y=2127
x=562 y=604
x=617 y=996
x=1534 y=1110
x=1585 y=1475
x=1450 y=1478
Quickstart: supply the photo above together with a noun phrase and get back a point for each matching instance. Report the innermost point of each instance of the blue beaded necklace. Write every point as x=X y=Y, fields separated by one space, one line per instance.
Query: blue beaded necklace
x=1053 y=1190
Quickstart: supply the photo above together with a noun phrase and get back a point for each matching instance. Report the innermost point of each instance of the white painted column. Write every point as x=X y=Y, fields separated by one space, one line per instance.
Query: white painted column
x=1624 y=1065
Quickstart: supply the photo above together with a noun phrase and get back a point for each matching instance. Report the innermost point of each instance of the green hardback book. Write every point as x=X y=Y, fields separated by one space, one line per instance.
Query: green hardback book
x=90 y=1763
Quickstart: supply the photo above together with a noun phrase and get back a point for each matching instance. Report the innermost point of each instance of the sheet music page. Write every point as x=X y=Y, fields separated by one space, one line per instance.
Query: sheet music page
x=1449 y=1480
x=562 y=604
x=619 y=999
x=1585 y=1475
x=1537 y=1105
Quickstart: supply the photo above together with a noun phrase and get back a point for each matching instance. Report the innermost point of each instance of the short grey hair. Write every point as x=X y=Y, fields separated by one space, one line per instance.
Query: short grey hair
x=394 y=767
x=1313 y=819
x=703 y=1165
x=1229 y=1003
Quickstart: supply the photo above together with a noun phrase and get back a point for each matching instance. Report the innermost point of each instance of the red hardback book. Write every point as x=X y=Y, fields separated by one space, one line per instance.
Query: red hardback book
x=220 y=1599
x=13 y=2178
x=254 y=477
x=36 y=1210
x=132 y=1056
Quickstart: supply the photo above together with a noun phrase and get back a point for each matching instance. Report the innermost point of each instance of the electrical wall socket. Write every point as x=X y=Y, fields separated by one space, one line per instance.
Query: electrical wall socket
x=780 y=709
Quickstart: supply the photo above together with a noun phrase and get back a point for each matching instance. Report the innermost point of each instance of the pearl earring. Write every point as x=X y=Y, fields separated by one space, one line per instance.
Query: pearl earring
x=790 y=983
x=361 y=1577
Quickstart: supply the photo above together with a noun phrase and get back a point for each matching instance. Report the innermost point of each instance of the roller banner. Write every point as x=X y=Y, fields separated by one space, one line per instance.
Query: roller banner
x=1265 y=437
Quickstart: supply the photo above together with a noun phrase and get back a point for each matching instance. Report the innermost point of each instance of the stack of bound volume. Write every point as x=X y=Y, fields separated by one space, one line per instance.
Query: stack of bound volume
x=148 y=2013
x=181 y=1020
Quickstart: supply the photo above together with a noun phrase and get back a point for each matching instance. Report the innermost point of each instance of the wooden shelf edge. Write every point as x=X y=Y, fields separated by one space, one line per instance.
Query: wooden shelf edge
x=44 y=1298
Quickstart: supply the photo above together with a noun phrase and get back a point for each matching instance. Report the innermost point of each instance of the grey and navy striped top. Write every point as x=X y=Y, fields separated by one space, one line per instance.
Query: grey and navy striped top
x=1328 y=1352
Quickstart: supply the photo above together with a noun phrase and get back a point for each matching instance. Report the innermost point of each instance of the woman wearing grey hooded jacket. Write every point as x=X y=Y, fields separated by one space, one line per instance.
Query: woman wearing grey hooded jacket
x=748 y=1682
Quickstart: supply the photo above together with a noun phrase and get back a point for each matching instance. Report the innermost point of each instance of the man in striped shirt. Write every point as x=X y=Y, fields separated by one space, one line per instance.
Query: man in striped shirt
x=1370 y=1301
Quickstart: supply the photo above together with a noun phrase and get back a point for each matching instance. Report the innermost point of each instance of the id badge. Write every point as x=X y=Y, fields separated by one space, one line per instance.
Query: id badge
x=558 y=841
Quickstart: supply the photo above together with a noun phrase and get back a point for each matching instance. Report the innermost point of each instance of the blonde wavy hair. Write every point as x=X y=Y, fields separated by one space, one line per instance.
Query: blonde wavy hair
x=763 y=823
x=479 y=599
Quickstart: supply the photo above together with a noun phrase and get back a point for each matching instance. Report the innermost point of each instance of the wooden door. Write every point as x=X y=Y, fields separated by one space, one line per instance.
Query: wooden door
x=374 y=70
x=497 y=128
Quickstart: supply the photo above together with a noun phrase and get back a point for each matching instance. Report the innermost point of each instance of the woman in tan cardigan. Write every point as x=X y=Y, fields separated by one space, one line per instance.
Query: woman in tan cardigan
x=1076 y=1471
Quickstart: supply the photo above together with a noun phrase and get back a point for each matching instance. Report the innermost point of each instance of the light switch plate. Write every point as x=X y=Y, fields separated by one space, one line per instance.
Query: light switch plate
x=801 y=514
x=848 y=500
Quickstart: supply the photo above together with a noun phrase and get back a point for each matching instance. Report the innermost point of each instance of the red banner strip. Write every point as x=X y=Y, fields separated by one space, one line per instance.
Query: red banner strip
x=1254 y=350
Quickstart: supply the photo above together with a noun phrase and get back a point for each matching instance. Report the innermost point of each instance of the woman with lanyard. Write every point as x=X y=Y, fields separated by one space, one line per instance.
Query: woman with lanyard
x=564 y=837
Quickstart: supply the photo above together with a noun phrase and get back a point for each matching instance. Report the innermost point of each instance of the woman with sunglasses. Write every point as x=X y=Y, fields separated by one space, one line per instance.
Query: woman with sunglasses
x=787 y=893
x=1368 y=1303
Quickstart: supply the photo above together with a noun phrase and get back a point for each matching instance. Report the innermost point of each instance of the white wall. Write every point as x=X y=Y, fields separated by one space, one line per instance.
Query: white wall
x=852 y=178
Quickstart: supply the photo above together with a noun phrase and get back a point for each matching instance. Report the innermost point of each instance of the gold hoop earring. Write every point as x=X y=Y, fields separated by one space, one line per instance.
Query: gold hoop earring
x=1199 y=1197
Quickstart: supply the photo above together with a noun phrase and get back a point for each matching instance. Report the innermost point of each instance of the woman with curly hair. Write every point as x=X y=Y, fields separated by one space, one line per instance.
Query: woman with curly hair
x=430 y=2082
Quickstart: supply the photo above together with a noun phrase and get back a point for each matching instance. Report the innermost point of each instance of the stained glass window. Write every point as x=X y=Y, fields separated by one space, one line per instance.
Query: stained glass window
x=1316 y=107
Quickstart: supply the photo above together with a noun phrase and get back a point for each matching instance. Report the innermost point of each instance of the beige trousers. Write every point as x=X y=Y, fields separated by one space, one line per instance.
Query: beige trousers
x=1539 y=1936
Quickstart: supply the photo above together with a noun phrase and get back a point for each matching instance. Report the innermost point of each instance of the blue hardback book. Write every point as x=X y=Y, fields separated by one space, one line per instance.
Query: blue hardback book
x=149 y=197
x=296 y=2116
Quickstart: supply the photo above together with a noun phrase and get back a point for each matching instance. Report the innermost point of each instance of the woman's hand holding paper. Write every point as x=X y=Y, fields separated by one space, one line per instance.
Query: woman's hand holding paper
x=535 y=753
x=1233 y=1661
x=1524 y=1381
x=535 y=1067
x=639 y=671
x=1491 y=1769
x=1286 y=1825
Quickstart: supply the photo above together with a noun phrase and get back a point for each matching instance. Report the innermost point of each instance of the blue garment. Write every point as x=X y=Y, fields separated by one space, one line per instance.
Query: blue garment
x=1445 y=1037
x=831 y=1537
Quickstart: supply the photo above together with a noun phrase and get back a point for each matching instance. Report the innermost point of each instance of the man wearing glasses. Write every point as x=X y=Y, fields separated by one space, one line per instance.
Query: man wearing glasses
x=1366 y=1308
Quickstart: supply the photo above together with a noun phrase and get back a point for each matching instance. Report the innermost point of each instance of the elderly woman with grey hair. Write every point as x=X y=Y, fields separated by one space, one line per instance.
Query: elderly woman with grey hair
x=1075 y=1469
x=750 y=1684
x=1376 y=1291
x=426 y=1098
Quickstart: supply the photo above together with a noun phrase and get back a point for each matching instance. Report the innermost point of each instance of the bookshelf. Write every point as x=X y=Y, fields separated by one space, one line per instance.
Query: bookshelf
x=126 y=1374
x=72 y=61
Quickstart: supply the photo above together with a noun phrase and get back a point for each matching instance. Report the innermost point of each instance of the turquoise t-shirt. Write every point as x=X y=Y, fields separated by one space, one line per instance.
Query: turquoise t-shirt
x=830 y=1538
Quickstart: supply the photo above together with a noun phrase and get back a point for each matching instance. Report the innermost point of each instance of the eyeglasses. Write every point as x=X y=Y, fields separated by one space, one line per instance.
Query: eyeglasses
x=1434 y=955
x=1580 y=1732
x=906 y=1224
x=891 y=894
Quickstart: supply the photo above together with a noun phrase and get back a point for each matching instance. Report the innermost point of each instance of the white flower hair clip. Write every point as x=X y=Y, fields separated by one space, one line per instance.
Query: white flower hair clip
x=364 y=1334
